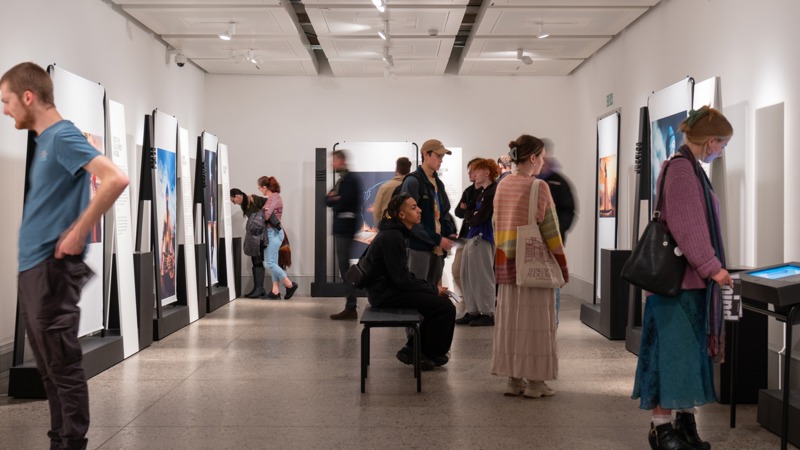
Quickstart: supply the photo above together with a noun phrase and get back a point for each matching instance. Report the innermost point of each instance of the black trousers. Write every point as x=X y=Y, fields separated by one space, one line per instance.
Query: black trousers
x=48 y=296
x=439 y=319
x=343 y=244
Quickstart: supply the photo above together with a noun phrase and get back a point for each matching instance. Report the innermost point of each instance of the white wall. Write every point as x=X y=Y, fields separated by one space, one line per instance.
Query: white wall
x=273 y=125
x=96 y=43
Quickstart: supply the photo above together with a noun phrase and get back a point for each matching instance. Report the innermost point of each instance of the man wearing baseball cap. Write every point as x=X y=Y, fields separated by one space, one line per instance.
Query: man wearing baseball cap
x=429 y=241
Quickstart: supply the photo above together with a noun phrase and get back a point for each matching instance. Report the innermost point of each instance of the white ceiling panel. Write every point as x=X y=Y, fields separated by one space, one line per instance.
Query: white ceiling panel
x=402 y=21
x=372 y=48
x=272 y=67
x=581 y=3
x=557 y=21
x=392 y=3
x=551 y=48
x=224 y=3
x=212 y=21
x=550 y=67
x=281 y=48
x=352 y=68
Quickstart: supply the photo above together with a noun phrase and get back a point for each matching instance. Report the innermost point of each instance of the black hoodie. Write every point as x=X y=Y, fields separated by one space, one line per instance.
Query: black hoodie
x=388 y=255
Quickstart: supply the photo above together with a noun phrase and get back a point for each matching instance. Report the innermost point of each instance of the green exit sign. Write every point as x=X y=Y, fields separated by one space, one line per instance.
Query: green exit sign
x=610 y=99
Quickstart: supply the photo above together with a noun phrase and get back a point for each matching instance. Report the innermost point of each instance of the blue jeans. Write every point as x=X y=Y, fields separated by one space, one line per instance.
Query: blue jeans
x=274 y=241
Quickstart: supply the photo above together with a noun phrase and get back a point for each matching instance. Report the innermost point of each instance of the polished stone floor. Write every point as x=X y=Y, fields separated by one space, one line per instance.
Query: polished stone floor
x=261 y=374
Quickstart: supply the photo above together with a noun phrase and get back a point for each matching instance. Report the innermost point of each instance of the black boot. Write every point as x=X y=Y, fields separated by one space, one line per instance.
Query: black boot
x=664 y=437
x=686 y=428
x=258 y=279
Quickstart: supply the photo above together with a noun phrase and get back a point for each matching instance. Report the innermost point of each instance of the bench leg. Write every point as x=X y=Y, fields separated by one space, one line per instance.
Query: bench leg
x=364 y=356
x=418 y=357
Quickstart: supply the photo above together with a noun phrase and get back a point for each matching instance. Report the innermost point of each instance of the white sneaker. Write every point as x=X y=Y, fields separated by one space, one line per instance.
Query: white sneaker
x=537 y=388
x=515 y=387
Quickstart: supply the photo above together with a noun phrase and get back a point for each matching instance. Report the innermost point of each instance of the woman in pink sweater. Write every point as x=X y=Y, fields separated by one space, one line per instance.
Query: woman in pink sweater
x=682 y=335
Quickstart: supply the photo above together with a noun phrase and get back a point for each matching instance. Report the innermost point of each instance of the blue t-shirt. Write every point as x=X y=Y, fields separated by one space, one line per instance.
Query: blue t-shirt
x=58 y=191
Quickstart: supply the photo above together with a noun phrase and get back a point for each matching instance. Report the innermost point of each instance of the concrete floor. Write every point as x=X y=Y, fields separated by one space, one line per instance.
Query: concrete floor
x=279 y=374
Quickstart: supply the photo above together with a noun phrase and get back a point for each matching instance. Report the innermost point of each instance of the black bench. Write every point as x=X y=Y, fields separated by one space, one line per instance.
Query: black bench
x=386 y=318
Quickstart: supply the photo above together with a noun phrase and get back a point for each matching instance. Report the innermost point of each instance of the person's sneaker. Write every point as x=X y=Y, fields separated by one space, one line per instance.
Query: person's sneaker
x=441 y=360
x=467 y=319
x=346 y=314
x=271 y=296
x=290 y=291
x=483 y=321
x=515 y=387
x=537 y=388
x=406 y=356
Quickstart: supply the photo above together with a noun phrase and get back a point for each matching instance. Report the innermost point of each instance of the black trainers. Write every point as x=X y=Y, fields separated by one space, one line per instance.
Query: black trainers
x=467 y=319
x=441 y=360
x=346 y=314
x=483 y=321
x=271 y=296
x=406 y=356
x=290 y=291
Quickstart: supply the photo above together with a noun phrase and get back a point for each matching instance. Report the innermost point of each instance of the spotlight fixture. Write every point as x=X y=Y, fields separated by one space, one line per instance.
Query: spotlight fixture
x=542 y=34
x=527 y=60
x=384 y=34
x=251 y=57
x=387 y=58
x=227 y=35
x=380 y=4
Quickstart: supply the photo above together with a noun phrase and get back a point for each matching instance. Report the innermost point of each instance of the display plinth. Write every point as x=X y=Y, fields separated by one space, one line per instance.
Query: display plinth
x=748 y=337
x=173 y=318
x=770 y=410
x=610 y=317
x=143 y=271
x=99 y=353
x=217 y=297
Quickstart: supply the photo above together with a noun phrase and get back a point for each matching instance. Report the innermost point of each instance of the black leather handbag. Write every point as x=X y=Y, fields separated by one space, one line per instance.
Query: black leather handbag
x=359 y=273
x=656 y=264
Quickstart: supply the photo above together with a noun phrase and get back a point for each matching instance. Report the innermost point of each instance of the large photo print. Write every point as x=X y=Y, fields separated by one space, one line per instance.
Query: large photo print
x=212 y=207
x=166 y=207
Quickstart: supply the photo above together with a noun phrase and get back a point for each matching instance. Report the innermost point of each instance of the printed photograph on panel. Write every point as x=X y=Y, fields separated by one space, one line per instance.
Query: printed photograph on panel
x=211 y=205
x=666 y=138
x=166 y=210
x=607 y=186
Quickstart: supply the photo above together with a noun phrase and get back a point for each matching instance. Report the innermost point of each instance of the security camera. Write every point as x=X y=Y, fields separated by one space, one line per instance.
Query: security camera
x=180 y=59
x=433 y=32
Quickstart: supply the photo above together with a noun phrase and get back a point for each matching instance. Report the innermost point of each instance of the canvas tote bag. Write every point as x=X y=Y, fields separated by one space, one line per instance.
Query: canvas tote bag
x=536 y=265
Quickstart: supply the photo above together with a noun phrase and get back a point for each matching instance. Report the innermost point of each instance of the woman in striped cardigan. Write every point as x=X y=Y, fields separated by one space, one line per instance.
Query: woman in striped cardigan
x=524 y=347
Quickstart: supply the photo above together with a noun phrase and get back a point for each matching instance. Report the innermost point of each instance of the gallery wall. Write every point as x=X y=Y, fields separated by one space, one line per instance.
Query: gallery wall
x=96 y=43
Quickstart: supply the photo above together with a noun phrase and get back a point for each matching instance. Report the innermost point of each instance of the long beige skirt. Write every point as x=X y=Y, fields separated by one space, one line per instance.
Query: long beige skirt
x=525 y=333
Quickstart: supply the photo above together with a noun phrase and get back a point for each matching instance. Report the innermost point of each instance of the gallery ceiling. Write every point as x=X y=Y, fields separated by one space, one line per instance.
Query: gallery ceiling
x=424 y=37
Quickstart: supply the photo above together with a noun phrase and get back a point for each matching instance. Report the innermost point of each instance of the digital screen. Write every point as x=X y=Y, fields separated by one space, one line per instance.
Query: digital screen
x=776 y=273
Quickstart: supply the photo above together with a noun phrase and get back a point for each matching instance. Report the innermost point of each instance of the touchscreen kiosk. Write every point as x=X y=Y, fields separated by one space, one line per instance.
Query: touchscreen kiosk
x=778 y=285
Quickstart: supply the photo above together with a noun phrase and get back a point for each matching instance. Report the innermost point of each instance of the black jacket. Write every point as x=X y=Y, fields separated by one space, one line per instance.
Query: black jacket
x=424 y=236
x=562 y=197
x=465 y=213
x=389 y=275
x=486 y=212
x=347 y=209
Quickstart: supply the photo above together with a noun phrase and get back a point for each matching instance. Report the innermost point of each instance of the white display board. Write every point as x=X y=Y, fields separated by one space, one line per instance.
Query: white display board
x=129 y=328
x=186 y=198
x=227 y=231
x=83 y=103
x=607 y=189
x=165 y=199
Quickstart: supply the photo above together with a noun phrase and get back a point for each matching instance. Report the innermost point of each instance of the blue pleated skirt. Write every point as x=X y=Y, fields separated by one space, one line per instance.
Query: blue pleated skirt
x=674 y=369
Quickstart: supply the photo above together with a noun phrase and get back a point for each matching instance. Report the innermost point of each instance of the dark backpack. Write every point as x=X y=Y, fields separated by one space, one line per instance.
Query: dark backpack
x=414 y=174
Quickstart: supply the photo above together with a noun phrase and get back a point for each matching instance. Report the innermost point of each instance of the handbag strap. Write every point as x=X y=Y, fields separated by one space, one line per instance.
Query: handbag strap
x=533 y=202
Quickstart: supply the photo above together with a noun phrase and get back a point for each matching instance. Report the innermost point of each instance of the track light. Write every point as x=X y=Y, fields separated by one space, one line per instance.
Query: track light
x=384 y=34
x=227 y=35
x=380 y=4
x=251 y=57
x=527 y=60
x=542 y=34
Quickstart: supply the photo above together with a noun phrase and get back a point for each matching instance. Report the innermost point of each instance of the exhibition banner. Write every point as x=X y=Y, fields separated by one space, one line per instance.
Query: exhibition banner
x=210 y=203
x=165 y=200
x=226 y=219
x=126 y=290
x=189 y=263
x=607 y=189
x=83 y=103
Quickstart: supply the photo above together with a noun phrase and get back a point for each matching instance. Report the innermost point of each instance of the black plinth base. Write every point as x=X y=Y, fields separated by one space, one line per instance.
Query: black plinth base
x=770 y=404
x=219 y=297
x=143 y=271
x=99 y=353
x=751 y=360
x=633 y=339
x=175 y=317
x=610 y=316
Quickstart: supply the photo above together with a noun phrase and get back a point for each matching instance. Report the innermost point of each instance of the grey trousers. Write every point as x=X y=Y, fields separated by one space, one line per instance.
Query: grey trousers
x=477 y=276
x=48 y=296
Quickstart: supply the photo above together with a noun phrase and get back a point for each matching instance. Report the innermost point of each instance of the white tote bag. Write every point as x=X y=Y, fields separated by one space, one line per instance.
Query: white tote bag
x=536 y=265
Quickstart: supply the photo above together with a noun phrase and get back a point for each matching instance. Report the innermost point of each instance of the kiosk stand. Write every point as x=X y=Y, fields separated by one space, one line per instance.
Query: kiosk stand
x=778 y=286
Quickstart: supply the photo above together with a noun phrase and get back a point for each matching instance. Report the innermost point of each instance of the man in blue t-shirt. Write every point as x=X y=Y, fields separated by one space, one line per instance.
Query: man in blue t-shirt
x=57 y=217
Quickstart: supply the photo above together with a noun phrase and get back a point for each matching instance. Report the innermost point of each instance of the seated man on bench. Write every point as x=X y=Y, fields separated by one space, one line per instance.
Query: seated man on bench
x=394 y=286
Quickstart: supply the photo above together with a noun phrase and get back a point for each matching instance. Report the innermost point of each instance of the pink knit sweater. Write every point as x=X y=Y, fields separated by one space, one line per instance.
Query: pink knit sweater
x=684 y=213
